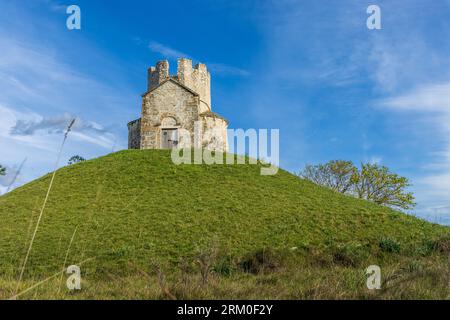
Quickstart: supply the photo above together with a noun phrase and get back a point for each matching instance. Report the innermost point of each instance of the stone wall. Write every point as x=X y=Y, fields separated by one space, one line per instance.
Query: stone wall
x=198 y=79
x=214 y=129
x=134 y=134
x=168 y=100
x=158 y=74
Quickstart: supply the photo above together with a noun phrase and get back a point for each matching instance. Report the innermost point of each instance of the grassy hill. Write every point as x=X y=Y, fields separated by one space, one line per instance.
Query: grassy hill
x=141 y=226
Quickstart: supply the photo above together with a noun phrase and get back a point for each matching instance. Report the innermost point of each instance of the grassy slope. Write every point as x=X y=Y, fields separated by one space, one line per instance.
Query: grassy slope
x=136 y=206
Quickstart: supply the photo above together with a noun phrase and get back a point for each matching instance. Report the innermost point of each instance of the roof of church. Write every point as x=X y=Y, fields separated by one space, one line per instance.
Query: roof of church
x=174 y=81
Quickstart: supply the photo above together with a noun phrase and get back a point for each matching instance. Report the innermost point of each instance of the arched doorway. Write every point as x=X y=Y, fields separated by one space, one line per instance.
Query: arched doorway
x=169 y=133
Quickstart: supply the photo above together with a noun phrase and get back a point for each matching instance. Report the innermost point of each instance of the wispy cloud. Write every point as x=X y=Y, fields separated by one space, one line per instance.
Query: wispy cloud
x=217 y=68
x=427 y=98
x=38 y=130
x=226 y=70
x=166 y=51
x=55 y=125
x=32 y=76
x=432 y=104
x=56 y=6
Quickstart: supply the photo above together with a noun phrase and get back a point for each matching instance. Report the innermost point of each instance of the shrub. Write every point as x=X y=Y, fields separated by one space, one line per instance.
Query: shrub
x=349 y=254
x=415 y=266
x=224 y=266
x=262 y=260
x=441 y=244
x=205 y=259
x=122 y=251
x=424 y=249
x=76 y=159
x=389 y=245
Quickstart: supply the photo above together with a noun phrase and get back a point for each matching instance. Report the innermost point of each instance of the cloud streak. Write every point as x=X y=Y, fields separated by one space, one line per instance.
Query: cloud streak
x=428 y=98
x=432 y=104
x=36 y=129
x=166 y=51
x=217 y=68
x=55 y=125
x=227 y=70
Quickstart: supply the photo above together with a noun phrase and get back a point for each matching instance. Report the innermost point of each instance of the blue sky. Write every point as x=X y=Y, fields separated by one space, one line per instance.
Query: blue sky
x=335 y=89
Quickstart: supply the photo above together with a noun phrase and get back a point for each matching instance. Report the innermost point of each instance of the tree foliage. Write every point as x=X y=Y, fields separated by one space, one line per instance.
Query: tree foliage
x=76 y=159
x=376 y=183
x=372 y=182
x=2 y=170
x=336 y=175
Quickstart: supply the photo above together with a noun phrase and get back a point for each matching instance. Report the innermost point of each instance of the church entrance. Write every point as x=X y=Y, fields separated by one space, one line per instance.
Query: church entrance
x=169 y=138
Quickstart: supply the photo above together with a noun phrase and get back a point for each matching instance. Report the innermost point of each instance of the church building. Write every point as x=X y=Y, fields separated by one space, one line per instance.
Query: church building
x=176 y=111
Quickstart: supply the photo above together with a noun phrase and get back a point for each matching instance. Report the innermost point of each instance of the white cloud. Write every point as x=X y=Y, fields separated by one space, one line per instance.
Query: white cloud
x=46 y=77
x=56 y=124
x=37 y=130
x=217 y=68
x=439 y=185
x=166 y=51
x=33 y=77
x=428 y=98
x=224 y=69
x=432 y=104
x=56 y=6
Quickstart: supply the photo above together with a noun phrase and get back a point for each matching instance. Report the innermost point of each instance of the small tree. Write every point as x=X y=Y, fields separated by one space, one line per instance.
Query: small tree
x=336 y=175
x=2 y=170
x=76 y=159
x=376 y=183
x=372 y=182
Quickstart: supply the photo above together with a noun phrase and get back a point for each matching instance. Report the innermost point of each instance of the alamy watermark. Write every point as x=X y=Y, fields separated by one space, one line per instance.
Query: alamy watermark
x=73 y=22
x=374 y=277
x=74 y=280
x=210 y=146
x=374 y=20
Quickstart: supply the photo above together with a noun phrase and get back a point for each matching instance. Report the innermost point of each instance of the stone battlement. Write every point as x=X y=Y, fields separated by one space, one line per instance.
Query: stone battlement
x=196 y=78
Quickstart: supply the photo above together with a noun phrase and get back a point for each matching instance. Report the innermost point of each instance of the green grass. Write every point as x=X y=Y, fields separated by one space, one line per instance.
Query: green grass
x=135 y=210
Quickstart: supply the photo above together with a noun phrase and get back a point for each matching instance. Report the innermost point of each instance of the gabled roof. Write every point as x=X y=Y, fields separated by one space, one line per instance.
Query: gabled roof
x=174 y=81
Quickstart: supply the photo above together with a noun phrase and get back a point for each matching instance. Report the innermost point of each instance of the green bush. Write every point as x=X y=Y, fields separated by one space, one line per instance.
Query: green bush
x=424 y=249
x=442 y=244
x=389 y=245
x=415 y=266
x=349 y=254
x=122 y=251
x=224 y=266
x=262 y=260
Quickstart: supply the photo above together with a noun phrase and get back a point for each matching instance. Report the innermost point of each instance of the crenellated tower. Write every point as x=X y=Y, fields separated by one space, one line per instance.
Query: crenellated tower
x=196 y=78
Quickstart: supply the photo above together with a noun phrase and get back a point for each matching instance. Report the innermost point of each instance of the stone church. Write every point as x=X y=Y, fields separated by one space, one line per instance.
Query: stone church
x=176 y=111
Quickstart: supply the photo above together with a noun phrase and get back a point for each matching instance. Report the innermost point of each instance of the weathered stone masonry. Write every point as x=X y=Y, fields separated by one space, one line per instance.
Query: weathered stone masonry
x=177 y=102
